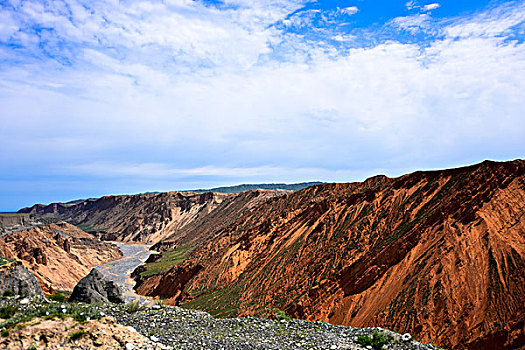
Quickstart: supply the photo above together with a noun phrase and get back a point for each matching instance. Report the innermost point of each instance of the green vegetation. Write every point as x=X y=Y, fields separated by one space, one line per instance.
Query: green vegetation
x=15 y=318
x=279 y=315
x=58 y=297
x=222 y=302
x=8 y=293
x=4 y=261
x=76 y=335
x=32 y=346
x=167 y=261
x=4 y=333
x=133 y=307
x=89 y=228
x=13 y=214
x=8 y=311
x=376 y=341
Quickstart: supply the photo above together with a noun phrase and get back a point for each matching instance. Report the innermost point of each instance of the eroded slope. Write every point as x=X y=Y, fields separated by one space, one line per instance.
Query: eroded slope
x=59 y=255
x=438 y=254
x=142 y=218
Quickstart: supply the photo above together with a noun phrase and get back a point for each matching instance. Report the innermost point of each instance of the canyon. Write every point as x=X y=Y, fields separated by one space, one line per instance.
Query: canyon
x=438 y=254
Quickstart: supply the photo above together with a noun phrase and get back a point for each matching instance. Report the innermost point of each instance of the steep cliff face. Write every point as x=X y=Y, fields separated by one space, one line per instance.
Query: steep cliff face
x=439 y=254
x=17 y=222
x=59 y=255
x=144 y=218
x=223 y=215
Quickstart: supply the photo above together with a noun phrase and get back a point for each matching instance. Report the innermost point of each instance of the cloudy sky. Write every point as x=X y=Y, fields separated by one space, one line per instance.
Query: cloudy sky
x=106 y=97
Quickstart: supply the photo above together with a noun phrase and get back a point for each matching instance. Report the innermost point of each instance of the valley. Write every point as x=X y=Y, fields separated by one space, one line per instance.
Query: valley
x=437 y=254
x=118 y=271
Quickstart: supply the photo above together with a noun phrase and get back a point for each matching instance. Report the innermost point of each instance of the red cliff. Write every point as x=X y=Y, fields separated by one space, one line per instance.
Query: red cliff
x=439 y=254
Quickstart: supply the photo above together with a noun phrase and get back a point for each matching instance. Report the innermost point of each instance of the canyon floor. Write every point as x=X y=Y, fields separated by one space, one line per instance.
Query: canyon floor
x=118 y=271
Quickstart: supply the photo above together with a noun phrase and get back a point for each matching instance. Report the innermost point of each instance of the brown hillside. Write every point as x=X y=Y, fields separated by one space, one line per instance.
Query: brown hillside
x=439 y=254
x=59 y=255
x=144 y=218
x=150 y=218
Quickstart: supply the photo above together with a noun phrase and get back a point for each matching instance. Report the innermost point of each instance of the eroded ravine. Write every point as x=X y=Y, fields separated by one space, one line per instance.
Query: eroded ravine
x=119 y=271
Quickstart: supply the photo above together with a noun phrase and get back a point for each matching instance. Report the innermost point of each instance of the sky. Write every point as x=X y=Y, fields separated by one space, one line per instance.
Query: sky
x=110 y=97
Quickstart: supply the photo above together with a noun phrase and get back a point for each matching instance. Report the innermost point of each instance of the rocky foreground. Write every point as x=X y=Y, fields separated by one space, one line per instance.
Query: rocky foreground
x=38 y=324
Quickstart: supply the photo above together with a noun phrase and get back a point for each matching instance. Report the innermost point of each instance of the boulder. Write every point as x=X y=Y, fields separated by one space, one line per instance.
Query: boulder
x=14 y=277
x=96 y=288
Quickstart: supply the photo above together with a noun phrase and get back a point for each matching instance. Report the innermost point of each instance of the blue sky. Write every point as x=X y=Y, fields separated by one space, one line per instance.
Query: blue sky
x=108 y=97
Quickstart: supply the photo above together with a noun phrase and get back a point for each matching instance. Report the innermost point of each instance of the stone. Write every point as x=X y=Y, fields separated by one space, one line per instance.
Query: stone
x=96 y=288
x=19 y=280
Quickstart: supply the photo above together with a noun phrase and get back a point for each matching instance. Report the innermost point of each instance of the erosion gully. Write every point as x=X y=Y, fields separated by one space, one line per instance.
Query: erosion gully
x=119 y=271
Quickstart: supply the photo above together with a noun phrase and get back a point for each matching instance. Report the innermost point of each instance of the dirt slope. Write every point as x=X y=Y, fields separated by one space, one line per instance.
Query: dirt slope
x=59 y=255
x=439 y=254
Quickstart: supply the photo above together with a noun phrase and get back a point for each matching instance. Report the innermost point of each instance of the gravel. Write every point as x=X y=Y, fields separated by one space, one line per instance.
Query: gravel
x=178 y=328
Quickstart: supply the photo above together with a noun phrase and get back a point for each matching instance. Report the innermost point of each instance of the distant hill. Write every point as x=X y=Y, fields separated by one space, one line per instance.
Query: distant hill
x=230 y=189
x=248 y=187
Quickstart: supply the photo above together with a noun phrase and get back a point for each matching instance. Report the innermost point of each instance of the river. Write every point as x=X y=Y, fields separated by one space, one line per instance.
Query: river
x=119 y=271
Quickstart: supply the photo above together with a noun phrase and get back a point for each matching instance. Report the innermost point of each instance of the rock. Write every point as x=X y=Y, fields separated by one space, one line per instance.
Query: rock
x=95 y=288
x=16 y=278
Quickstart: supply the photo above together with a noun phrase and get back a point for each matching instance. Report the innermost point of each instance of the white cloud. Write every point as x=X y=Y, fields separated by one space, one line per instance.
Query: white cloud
x=413 y=23
x=412 y=4
x=180 y=90
x=431 y=7
x=352 y=10
x=495 y=22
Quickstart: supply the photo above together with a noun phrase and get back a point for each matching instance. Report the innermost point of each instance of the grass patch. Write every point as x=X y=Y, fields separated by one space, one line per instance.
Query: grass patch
x=133 y=307
x=8 y=311
x=89 y=228
x=79 y=312
x=61 y=298
x=4 y=333
x=169 y=259
x=223 y=302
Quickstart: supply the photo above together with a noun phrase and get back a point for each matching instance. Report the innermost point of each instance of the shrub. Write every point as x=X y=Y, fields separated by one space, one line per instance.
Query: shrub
x=280 y=315
x=376 y=341
x=32 y=347
x=76 y=335
x=8 y=293
x=8 y=311
x=133 y=307
x=5 y=333
x=58 y=297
